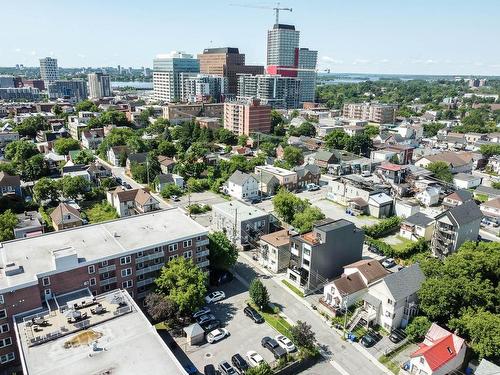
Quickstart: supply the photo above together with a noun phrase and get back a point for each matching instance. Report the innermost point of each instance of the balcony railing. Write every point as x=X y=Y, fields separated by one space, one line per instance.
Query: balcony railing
x=145 y=282
x=111 y=280
x=202 y=242
x=149 y=269
x=109 y=268
x=202 y=253
x=153 y=256
x=205 y=263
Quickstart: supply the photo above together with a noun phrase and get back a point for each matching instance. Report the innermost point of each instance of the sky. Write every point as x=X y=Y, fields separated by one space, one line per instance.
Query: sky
x=352 y=36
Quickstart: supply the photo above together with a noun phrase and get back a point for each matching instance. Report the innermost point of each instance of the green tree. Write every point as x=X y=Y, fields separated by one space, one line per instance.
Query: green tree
x=73 y=187
x=303 y=335
x=107 y=183
x=86 y=105
x=227 y=137
x=293 y=156
x=287 y=204
x=114 y=118
x=305 y=129
x=223 y=253
x=64 y=145
x=262 y=369
x=167 y=148
x=57 y=110
x=101 y=212
x=242 y=140
x=84 y=157
x=490 y=150
x=360 y=144
x=371 y=131
x=268 y=148
x=29 y=126
x=184 y=283
x=160 y=308
x=171 y=189
x=8 y=168
x=8 y=221
x=417 y=328
x=46 y=188
x=431 y=129
x=259 y=294
x=34 y=168
x=276 y=119
x=336 y=140
x=441 y=170
x=20 y=151
x=303 y=221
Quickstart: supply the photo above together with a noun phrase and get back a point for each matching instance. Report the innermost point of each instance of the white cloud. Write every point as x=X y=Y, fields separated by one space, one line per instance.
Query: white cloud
x=329 y=59
x=360 y=61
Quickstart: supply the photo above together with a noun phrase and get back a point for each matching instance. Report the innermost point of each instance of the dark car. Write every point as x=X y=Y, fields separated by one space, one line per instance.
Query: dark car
x=368 y=341
x=191 y=370
x=127 y=185
x=397 y=335
x=273 y=346
x=253 y=314
x=219 y=277
x=211 y=325
x=226 y=369
x=209 y=370
x=239 y=362
x=118 y=180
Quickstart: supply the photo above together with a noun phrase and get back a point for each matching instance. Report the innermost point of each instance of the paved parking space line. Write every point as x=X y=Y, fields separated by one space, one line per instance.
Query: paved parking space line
x=339 y=368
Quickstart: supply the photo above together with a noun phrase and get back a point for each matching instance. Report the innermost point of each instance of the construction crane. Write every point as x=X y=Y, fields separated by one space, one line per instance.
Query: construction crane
x=276 y=9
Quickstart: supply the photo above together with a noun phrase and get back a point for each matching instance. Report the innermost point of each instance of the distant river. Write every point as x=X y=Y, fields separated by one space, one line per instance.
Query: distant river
x=135 y=85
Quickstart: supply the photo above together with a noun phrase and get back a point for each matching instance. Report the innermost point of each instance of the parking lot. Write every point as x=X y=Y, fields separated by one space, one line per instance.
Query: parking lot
x=245 y=335
x=206 y=197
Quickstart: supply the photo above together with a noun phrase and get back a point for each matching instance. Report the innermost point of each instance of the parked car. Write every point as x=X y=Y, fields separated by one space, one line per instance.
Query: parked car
x=397 y=335
x=217 y=335
x=312 y=187
x=215 y=296
x=285 y=343
x=205 y=318
x=239 y=363
x=127 y=185
x=175 y=198
x=209 y=370
x=366 y=173
x=254 y=358
x=118 y=180
x=219 y=277
x=191 y=370
x=272 y=345
x=211 y=325
x=204 y=310
x=253 y=314
x=368 y=341
x=226 y=369
x=389 y=263
x=374 y=250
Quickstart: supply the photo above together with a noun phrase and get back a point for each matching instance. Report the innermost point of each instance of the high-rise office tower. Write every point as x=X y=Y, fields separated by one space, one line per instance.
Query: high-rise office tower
x=49 y=70
x=227 y=62
x=99 y=85
x=167 y=79
x=306 y=72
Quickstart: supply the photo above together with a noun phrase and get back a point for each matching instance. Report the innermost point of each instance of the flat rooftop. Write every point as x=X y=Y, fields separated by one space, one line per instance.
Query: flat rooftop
x=120 y=341
x=241 y=210
x=274 y=170
x=94 y=242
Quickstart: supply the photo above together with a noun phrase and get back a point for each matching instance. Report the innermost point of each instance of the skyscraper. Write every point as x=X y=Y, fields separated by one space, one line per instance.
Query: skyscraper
x=99 y=85
x=167 y=69
x=227 y=62
x=49 y=70
x=306 y=72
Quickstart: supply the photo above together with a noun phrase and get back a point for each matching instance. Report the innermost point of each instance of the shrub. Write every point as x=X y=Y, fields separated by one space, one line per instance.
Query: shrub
x=383 y=227
x=171 y=189
x=259 y=294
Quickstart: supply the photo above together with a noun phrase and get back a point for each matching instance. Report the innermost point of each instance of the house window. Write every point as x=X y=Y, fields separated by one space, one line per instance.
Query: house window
x=91 y=269
x=172 y=247
x=4 y=328
x=92 y=281
x=140 y=265
x=389 y=301
x=9 y=357
x=46 y=281
x=422 y=360
x=172 y=257
x=188 y=254
x=3 y=314
x=157 y=249
x=158 y=260
x=105 y=275
x=106 y=288
x=126 y=272
x=104 y=263
x=140 y=254
x=140 y=277
x=127 y=284
x=187 y=243
x=449 y=350
x=2 y=301
x=125 y=260
x=198 y=238
x=5 y=342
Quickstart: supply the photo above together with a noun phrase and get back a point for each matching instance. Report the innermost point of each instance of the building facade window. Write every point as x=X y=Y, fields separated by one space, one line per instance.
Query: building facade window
x=4 y=328
x=104 y=263
x=126 y=272
x=46 y=281
x=92 y=281
x=91 y=269
x=3 y=314
x=172 y=257
x=127 y=284
x=125 y=260
x=9 y=357
x=188 y=254
x=187 y=243
x=172 y=247
x=5 y=342
x=2 y=301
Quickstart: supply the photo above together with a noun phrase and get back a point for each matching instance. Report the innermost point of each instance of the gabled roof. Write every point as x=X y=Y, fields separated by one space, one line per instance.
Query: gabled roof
x=405 y=282
x=165 y=160
x=324 y=155
x=453 y=159
x=348 y=284
x=139 y=157
x=487 y=190
x=461 y=195
x=439 y=347
x=371 y=269
x=463 y=213
x=419 y=219
x=493 y=203
x=8 y=180
x=239 y=178
x=63 y=209
x=140 y=196
x=380 y=199
x=308 y=168
x=165 y=178
x=119 y=149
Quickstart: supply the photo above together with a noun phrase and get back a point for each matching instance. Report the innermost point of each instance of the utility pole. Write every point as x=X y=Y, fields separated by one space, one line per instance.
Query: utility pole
x=345 y=313
x=234 y=226
x=147 y=168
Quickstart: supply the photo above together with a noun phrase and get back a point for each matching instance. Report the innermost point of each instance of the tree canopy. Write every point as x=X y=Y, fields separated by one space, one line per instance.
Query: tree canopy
x=8 y=221
x=441 y=170
x=259 y=294
x=64 y=145
x=223 y=253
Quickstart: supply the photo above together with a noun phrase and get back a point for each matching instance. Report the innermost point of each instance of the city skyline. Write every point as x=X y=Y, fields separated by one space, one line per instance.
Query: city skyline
x=424 y=38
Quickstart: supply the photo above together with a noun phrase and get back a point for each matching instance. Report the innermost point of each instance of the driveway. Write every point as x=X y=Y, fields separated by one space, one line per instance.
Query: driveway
x=244 y=334
x=335 y=211
x=205 y=197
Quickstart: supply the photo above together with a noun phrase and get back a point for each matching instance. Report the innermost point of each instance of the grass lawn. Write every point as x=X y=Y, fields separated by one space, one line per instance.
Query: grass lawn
x=100 y=212
x=401 y=245
x=293 y=288
x=387 y=360
x=274 y=320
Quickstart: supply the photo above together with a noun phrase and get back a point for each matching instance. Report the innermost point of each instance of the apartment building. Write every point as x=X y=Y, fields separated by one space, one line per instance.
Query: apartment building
x=454 y=227
x=274 y=251
x=272 y=89
x=226 y=62
x=374 y=112
x=202 y=87
x=284 y=177
x=177 y=113
x=125 y=253
x=77 y=124
x=74 y=90
x=49 y=70
x=319 y=256
x=246 y=117
x=99 y=85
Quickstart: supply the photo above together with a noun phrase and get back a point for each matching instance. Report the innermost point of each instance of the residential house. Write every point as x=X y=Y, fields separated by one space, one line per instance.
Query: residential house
x=117 y=155
x=406 y=207
x=166 y=164
x=78 y=173
x=349 y=288
x=132 y=202
x=392 y=301
x=487 y=192
x=274 y=251
x=457 y=198
x=491 y=209
x=242 y=186
x=380 y=205
x=8 y=136
x=10 y=184
x=417 y=226
x=162 y=180
x=466 y=181
x=307 y=174
x=353 y=130
x=286 y=178
x=457 y=161
x=394 y=173
x=321 y=254
x=29 y=224
x=136 y=158
x=243 y=224
x=268 y=183
x=494 y=164
x=429 y=196
x=91 y=139
x=455 y=226
x=54 y=161
x=97 y=171
x=441 y=353
x=65 y=216
x=324 y=159
x=345 y=162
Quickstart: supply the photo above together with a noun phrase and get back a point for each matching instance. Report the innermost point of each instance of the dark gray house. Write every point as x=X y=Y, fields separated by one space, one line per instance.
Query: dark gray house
x=321 y=254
